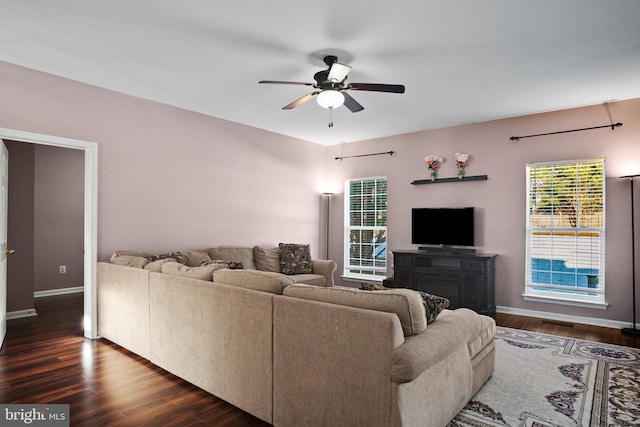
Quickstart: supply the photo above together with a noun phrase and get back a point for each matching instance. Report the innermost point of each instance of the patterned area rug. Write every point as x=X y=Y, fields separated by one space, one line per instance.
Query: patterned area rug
x=545 y=380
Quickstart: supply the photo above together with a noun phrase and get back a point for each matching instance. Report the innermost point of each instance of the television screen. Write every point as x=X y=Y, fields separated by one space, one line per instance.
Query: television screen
x=442 y=226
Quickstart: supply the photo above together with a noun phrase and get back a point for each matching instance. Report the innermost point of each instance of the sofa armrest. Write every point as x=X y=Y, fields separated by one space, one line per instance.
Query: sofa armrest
x=326 y=268
x=420 y=352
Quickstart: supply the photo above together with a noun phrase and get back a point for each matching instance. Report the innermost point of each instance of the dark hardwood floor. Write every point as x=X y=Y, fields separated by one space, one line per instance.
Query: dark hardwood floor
x=567 y=329
x=46 y=360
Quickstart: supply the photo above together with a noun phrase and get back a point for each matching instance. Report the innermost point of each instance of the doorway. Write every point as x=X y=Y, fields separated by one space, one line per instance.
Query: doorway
x=90 y=214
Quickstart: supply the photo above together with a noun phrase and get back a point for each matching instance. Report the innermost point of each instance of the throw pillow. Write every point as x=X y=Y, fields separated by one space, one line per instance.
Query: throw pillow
x=433 y=304
x=295 y=258
x=129 y=261
x=158 y=257
x=157 y=264
x=241 y=254
x=221 y=263
x=192 y=259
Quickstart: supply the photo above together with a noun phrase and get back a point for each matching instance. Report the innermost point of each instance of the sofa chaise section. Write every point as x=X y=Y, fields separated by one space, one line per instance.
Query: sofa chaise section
x=123 y=306
x=216 y=336
x=345 y=365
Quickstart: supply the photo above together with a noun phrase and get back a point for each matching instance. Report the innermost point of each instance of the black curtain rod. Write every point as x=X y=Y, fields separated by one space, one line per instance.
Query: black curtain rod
x=365 y=155
x=612 y=126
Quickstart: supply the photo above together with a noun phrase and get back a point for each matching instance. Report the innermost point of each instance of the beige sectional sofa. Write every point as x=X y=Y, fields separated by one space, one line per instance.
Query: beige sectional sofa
x=301 y=355
x=247 y=263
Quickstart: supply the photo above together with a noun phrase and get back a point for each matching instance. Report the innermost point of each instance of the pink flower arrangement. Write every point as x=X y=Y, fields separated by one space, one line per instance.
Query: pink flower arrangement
x=461 y=163
x=433 y=162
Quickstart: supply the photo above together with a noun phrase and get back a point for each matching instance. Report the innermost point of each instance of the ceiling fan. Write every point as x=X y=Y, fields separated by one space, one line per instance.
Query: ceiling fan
x=332 y=90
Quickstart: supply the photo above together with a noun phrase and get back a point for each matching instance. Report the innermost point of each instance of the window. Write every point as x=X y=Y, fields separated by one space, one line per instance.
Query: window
x=365 y=228
x=565 y=231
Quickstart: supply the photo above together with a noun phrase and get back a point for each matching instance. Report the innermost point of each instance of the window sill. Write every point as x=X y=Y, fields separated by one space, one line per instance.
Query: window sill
x=564 y=301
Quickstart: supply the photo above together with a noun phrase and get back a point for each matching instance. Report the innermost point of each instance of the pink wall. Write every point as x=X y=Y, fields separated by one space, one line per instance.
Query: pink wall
x=171 y=179
x=20 y=221
x=59 y=217
x=500 y=201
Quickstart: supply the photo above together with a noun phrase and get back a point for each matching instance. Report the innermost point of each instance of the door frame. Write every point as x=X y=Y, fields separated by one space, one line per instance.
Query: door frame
x=90 y=320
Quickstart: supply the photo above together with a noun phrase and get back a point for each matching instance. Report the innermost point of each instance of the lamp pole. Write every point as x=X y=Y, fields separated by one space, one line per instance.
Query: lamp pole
x=327 y=222
x=632 y=331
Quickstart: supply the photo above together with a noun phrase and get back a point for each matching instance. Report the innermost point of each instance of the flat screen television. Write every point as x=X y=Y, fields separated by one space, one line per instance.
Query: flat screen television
x=442 y=226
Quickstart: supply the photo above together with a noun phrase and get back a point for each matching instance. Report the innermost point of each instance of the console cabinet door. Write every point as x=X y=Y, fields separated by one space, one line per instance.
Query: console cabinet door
x=440 y=282
x=403 y=271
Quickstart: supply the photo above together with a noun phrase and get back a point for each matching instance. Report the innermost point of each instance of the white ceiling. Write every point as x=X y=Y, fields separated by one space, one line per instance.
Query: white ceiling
x=462 y=61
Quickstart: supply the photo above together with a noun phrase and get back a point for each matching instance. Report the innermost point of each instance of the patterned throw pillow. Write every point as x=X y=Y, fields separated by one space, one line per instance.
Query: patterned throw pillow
x=295 y=258
x=221 y=263
x=433 y=304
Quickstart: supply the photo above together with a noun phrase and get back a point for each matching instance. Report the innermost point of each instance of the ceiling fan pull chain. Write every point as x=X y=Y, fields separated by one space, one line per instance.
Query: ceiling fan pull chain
x=330 y=117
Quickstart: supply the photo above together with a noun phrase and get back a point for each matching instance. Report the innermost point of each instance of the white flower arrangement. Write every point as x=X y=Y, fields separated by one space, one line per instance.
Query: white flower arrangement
x=462 y=158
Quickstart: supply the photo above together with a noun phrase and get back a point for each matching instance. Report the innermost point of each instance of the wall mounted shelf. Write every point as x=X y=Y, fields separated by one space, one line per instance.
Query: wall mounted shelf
x=455 y=179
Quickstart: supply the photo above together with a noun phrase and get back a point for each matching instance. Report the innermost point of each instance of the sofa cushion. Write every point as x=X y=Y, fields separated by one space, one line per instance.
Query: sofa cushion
x=295 y=258
x=130 y=261
x=266 y=281
x=157 y=264
x=309 y=279
x=202 y=272
x=192 y=259
x=267 y=259
x=433 y=304
x=405 y=303
x=239 y=254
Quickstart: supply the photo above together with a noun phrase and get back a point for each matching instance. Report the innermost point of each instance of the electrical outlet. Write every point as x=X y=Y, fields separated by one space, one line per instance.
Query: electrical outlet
x=63 y=269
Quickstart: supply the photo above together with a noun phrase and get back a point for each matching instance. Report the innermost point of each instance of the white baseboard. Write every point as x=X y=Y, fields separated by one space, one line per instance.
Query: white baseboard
x=594 y=321
x=19 y=314
x=61 y=291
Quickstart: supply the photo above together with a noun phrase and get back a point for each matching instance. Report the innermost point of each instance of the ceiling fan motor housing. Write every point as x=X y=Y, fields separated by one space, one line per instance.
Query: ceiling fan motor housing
x=330 y=60
x=332 y=88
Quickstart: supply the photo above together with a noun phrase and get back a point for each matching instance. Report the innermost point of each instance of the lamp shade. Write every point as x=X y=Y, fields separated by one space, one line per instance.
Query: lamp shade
x=330 y=99
x=338 y=72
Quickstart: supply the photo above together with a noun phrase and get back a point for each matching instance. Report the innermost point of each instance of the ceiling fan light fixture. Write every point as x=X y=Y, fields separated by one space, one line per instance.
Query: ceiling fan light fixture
x=338 y=72
x=330 y=99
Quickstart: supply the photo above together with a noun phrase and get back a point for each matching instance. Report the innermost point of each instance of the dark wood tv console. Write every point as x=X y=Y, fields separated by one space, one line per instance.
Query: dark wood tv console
x=466 y=279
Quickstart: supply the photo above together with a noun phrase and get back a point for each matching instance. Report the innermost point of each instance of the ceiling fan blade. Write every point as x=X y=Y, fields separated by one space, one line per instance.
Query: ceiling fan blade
x=278 y=82
x=299 y=101
x=338 y=72
x=353 y=105
x=376 y=87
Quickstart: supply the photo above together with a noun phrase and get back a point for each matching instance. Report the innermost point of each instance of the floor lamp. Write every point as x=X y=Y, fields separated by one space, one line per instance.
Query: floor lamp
x=327 y=221
x=632 y=331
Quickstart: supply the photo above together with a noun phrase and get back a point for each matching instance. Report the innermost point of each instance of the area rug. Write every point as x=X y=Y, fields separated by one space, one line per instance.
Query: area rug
x=545 y=380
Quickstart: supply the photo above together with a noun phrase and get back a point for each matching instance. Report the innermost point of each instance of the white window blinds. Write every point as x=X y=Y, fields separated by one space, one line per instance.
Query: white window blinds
x=365 y=221
x=565 y=230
